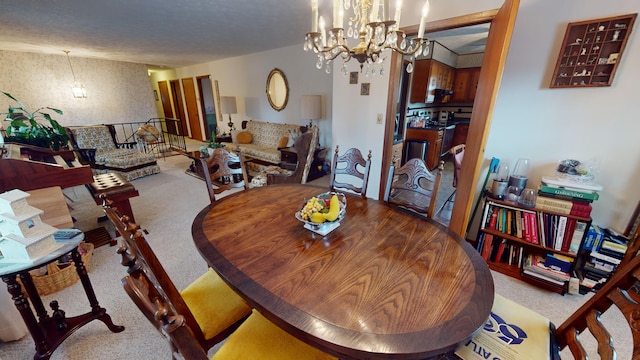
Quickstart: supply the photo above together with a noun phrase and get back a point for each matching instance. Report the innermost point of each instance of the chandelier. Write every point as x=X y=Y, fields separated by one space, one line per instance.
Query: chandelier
x=77 y=89
x=372 y=24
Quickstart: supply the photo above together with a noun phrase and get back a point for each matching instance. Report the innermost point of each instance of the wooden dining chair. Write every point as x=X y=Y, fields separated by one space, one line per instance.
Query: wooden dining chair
x=305 y=147
x=349 y=165
x=255 y=338
x=413 y=186
x=583 y=333
x=209 y=307
x=224 y=171
x=458 y=154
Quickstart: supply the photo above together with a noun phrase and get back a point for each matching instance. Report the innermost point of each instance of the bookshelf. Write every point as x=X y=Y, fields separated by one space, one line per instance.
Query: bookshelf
x=591 y=52
x=513 y=238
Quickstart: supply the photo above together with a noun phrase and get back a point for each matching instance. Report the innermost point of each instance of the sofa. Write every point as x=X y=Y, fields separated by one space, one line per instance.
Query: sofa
x=264 y=140
x=97 y=146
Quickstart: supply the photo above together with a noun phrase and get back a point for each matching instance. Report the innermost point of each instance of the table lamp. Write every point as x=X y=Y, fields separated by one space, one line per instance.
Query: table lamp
x=311 y=108
x=228 y=106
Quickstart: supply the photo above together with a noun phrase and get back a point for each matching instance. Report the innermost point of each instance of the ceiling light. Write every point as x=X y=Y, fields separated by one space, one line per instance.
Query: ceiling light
x=77 y=89
x=372 y=24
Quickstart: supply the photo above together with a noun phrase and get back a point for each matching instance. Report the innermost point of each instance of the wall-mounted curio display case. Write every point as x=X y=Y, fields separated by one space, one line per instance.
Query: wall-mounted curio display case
x=591 y=52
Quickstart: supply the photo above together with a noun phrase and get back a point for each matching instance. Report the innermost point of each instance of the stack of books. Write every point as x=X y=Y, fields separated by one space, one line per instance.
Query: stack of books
x=606 y=251
x=567 y=209
x=552 y=268
x=567 y=197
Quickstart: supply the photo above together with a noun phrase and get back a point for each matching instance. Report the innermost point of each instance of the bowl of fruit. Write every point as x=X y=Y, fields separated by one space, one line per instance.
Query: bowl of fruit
x=324 y=210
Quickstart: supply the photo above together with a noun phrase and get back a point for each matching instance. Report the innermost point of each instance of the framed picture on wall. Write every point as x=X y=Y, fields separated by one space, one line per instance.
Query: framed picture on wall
x=364 y=89
x=353 y=77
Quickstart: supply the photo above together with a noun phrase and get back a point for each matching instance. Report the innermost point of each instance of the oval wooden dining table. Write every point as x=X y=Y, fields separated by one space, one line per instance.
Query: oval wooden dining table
x=385 y=284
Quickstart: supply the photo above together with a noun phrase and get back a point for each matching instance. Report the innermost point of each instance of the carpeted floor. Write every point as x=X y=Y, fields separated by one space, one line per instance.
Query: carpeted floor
x=166 y=207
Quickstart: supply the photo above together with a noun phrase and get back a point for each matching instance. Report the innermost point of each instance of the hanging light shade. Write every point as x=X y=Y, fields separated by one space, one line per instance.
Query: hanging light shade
x=77 y=89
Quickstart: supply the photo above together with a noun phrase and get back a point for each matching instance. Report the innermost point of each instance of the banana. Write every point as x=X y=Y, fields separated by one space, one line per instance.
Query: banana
x=334 y=209
x=318 y=218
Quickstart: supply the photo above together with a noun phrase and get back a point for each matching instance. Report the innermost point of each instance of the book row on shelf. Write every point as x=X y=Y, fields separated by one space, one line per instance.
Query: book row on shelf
x=536 y=245
x=549 y=230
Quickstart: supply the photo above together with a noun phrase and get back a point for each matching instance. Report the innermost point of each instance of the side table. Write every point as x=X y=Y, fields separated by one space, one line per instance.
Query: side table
x=48 y=332
x=223 y=138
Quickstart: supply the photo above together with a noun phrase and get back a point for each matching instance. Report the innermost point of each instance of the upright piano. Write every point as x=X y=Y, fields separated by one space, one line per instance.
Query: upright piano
x=27 y=167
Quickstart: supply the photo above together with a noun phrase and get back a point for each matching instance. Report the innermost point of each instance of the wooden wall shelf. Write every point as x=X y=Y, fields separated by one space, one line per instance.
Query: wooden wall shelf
x=591 y=52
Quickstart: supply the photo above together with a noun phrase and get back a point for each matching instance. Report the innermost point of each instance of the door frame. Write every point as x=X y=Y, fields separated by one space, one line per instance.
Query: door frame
x=502 y=23
x=176 y=95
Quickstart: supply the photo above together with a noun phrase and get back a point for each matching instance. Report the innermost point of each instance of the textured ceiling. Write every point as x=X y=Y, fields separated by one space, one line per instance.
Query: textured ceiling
x=161 y=33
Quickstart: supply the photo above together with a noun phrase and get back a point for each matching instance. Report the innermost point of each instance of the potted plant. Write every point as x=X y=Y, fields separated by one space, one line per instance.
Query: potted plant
x=26 y=129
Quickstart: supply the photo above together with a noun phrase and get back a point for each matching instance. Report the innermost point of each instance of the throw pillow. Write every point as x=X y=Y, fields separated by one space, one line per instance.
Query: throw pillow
x=245 y=137
x=283 y=142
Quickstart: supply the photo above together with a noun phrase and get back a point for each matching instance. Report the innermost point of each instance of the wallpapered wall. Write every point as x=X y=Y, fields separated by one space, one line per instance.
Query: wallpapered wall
x=116 y=91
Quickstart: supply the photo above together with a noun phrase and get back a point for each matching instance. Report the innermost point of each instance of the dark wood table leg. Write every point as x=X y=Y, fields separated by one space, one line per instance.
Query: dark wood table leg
x=22 y=304
x=50 y=331
x=98 y=312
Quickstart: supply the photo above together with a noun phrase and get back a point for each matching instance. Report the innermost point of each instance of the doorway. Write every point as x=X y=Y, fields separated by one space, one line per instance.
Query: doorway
x=207 y=104
x=195 y=126
x=502 y=22
x=164 y=97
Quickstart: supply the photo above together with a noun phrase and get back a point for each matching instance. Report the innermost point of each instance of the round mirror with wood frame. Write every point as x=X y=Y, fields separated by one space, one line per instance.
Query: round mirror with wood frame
x=277 y=89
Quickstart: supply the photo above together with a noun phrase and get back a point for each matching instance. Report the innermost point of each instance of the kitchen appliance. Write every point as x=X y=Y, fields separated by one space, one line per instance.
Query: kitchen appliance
x=446 y=116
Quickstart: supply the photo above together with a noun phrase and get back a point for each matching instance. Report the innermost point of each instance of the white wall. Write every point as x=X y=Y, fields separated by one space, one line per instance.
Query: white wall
x=245 y=78
x=530 y=120
x=116 y=91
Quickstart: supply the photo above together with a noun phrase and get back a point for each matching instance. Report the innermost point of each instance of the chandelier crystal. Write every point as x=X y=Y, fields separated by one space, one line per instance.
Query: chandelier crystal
x=375 y=29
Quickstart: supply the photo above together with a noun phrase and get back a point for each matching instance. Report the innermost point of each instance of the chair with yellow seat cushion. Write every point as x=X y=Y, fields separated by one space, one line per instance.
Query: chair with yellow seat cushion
x=208 y=306
x=260 y=339
x=256 y=338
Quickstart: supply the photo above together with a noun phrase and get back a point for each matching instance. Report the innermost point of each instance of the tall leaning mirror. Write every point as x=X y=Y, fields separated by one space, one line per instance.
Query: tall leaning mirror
x=277 y=89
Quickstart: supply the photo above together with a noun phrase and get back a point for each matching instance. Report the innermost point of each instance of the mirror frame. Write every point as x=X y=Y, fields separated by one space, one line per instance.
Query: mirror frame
x=277 y=107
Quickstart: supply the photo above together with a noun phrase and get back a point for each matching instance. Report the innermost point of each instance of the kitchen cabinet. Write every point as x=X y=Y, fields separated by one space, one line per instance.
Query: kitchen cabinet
x=434 y=136
x=460 y=134
x=465 y=84
x=429 y=75
x=420 y=81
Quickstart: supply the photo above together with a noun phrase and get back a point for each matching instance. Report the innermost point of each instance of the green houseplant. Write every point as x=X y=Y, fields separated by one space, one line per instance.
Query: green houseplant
x=25 y=127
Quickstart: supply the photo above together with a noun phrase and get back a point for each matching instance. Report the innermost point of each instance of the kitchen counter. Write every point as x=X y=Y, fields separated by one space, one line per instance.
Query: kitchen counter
x=434 y=127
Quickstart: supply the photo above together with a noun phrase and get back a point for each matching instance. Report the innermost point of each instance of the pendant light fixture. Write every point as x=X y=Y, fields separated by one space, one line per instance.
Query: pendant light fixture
x=77 y=89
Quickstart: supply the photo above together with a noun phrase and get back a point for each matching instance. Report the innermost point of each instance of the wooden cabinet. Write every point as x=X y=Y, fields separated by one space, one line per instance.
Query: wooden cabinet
x=420 y=81
x=429 y=75
x=460 y=134
x=465 y=84
x=511 y=237
x=591 y=52
x=434 y=137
